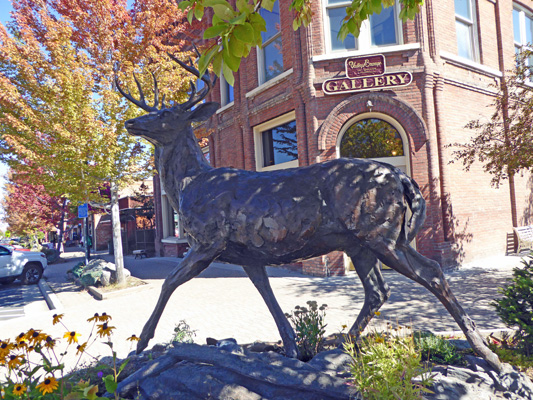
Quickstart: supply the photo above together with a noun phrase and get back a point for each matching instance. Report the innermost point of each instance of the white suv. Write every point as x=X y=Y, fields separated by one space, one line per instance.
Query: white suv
x=26 y=265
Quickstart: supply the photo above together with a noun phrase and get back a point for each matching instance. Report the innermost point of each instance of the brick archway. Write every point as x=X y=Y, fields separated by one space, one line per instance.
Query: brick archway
x=407 y=116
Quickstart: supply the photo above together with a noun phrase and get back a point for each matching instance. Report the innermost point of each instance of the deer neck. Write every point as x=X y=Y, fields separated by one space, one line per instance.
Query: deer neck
x=179 y=162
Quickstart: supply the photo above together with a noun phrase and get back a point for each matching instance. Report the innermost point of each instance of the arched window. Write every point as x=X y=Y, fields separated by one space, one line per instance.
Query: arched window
x=375 y=136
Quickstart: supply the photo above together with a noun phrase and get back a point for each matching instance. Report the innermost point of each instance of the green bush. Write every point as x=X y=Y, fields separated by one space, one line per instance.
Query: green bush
x=310 y=328
x=436 y=349
x=384 y=366
x=515 y=308
x=183 y=333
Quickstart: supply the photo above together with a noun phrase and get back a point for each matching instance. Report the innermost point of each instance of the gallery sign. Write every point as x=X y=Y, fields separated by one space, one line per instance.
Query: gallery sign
x=366 y=73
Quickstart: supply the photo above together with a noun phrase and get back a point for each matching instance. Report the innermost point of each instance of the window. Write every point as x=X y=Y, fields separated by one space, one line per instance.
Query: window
x=226 y=91
x=269 y=56
x=523 y=30
x=383 y=29
x=276 y=144
x=466 y=29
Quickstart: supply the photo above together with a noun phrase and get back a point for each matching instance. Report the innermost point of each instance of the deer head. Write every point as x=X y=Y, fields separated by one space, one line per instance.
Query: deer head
x=160 y=125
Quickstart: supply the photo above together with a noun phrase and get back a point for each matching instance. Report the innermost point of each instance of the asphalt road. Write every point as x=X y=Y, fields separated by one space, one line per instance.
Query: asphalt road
x=18 y=300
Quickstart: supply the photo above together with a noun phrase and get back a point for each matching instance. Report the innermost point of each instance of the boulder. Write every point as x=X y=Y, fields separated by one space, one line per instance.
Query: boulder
x=100 y=271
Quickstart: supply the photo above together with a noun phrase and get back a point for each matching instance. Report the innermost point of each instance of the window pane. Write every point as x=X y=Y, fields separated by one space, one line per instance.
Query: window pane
x=272 y=22
x=280 y=144
x=336 y=15
x=338 y=1
x=529 y=36
x=383 y=27
x=462 y=8
x=176 y=223
x=227 y=92
x=273 y=59
x=516 y=26
x=371 y=138
x=464 y=40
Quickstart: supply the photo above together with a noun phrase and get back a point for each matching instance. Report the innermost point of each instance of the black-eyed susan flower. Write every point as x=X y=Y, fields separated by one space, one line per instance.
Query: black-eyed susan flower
x=72 y=337
x=57 y=318
x=5 y=348
x=19 y=389
x=94 y=318
x=49 y=342
x=81 y=348
x=104 y=317
x=48 y=385
x=104 y=329
x=377 y=313
x=133 y=338
x=14 y=361
x=36 y=337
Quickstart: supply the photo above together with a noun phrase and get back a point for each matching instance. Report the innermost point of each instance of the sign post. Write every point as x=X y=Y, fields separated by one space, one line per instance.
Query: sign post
x=83 y=212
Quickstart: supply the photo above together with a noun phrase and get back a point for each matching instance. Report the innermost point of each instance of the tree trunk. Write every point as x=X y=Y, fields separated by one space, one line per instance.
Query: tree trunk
x=117 y=237
x=61 y=226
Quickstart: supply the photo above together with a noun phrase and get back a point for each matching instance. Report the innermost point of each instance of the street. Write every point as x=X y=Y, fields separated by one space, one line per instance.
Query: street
x=18 y=300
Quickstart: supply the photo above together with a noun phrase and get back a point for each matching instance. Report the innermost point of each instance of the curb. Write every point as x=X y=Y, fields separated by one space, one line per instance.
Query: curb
x=51 y=299
x=98 y=295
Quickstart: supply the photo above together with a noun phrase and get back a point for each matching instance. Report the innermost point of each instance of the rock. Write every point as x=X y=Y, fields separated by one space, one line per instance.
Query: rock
x=105 y=278
x=191 y=371
x=334 y=362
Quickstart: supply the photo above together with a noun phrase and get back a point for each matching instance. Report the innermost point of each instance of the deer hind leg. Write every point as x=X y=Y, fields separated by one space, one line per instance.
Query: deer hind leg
x=377 y=291
x=197 y=259
x=428 y=273
x=259 y=278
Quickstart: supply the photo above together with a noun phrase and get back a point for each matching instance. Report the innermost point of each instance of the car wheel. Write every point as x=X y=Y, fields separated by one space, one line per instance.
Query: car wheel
x=7 y=281
x=31 y=274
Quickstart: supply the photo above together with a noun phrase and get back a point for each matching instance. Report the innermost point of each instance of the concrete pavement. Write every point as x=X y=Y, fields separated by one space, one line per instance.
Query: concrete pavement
x=222 y=302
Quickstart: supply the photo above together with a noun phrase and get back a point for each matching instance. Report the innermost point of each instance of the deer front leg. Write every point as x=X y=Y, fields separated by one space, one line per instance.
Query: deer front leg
x=259 y=278
x=377 y=291
x=197 y=259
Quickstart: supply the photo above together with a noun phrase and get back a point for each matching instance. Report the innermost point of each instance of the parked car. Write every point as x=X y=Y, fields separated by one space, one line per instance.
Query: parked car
x=28 y=266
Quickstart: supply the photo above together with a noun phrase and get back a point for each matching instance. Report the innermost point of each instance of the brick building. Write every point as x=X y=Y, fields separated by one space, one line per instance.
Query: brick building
x=305 y=97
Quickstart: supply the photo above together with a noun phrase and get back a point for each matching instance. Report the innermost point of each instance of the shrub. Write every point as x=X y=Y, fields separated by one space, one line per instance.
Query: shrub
x=515 y=308
x=183 y=333
x=436 y=349
x=310 y=328
x=384 y=366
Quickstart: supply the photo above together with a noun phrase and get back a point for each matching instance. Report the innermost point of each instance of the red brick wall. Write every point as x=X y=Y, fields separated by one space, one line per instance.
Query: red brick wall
x=479 y=214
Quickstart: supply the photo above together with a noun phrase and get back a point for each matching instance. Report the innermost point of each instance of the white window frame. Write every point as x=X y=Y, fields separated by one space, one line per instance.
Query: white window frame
x=258 y=142
x=261 y=56
x=364 y=41
x=522 y=14
x=473 y=26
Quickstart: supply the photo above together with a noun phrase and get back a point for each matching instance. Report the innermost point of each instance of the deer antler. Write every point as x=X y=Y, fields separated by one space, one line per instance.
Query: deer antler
x=195 y=97
x=142 y=102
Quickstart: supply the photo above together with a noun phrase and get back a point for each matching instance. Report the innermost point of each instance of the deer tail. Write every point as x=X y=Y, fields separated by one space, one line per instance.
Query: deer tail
x=416 y=203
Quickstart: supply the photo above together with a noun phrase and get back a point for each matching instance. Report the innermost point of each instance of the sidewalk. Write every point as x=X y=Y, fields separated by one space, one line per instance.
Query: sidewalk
x=222 y=302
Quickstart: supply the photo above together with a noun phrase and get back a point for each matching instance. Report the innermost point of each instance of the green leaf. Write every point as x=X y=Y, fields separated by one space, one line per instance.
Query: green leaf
x=122 y=366
x=239 y=19
x=231 y=61
x=212 y=3
x=184 y=4
x=205 y=60
x=296 y=24
x=268 y=4
x=198 y=12
x=245 y=33
x=217 y=63
x=190 y=15
x=110 y=384
x=223 y=12
x=228 y=75
x=376 y=6
x=258 y=22
x=236 y=47
x=243 y=5
x=215 y=30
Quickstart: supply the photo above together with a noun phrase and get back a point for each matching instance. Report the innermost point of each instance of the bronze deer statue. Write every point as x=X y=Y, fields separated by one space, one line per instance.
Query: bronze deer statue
x=255 y=219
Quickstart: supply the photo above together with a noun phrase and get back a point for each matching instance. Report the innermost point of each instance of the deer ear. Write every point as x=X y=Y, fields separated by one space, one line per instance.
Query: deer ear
x=203 y=111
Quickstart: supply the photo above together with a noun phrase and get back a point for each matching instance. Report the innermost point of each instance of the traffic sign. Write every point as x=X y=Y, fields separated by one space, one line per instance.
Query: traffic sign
x=83 y=211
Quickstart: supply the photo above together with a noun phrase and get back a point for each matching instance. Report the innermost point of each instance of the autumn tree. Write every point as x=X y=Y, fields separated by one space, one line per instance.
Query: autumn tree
x=234 y=30
x=60 y=112
x=29 y=208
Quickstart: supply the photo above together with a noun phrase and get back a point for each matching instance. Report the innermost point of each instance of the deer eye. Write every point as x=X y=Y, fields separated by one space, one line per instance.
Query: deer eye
x=165 y=114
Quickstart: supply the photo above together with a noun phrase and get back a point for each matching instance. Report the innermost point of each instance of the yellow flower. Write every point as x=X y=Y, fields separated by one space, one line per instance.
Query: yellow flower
x=35 y=337
x=49 y=342
x=18 y=390
x=57 y=318
x=81 y=348
x=133 y=338
x=48 y=385
x=104 y=317
x=96 y=317
x=15 y=361
x=344 y=326
x=104 y=329
x=377 y=313
x=72 y=337
x=5 y=348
